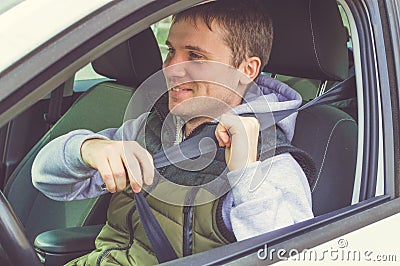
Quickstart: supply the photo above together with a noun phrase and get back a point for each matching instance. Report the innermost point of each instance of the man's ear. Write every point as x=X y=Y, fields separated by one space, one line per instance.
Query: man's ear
x=251 y=68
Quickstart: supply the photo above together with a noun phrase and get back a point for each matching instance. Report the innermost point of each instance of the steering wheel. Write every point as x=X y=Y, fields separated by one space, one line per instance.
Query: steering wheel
x=13 y=238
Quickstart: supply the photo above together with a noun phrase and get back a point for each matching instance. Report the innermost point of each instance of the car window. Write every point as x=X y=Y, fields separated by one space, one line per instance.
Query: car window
x=346 y=24
x=160 y=30
x=87 y=72
x=87 y=75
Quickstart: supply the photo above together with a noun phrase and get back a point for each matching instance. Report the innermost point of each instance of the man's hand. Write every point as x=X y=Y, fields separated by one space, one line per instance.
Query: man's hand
x=240 y=137
x=115 y=160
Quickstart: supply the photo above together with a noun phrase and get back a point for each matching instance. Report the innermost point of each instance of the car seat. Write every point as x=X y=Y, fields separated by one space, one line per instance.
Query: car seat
x=101 y=107
x=311 y=43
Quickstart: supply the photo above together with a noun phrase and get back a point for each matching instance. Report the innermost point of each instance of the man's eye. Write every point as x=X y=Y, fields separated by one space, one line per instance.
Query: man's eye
x=195 y=56
x=171 y=50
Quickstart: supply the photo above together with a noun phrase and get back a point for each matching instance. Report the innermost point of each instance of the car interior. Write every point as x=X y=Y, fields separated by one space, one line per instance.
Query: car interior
x=310 y=47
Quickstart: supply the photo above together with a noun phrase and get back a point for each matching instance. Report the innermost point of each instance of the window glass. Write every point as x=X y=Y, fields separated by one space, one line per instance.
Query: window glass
x=87 y=76
x=161 y=30
x=87 y=72
x=346 y=25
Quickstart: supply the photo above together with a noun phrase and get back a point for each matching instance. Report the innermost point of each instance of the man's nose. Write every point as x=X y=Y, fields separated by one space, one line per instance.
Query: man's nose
x=175 y=66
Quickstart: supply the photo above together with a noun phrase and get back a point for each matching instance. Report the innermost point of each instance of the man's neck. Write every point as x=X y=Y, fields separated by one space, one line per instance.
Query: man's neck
x=194 y=123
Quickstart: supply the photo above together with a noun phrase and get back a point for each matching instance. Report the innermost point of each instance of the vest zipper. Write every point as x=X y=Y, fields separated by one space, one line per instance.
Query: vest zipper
x=130 y=227
x=188 y=209
x=187 y=230
x=169 y=130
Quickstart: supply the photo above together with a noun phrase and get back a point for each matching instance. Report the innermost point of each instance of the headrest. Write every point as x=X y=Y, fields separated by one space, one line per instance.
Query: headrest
x=131 y=62
x=309 y=39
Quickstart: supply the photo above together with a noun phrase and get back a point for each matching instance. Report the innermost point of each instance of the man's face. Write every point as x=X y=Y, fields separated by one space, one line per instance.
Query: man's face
x=193 y=89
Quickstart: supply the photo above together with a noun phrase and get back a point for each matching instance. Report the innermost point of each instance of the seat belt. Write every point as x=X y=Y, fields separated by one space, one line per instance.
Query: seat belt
x=160 y=244
x=190 y=148
x=55 y=104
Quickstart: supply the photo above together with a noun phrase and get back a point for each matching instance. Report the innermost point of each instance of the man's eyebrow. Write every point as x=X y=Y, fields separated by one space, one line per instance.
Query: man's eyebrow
x=190 y=47
x=196 y=48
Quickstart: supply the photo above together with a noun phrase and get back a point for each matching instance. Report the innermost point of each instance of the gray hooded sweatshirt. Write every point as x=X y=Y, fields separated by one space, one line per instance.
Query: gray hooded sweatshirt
x=282 y=197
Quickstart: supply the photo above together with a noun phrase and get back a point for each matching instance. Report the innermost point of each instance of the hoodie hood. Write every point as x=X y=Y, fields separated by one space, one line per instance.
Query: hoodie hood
x=271 y=95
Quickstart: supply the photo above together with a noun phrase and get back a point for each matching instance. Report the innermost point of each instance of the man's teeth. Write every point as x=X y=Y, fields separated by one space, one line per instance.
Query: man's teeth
x=178 y=89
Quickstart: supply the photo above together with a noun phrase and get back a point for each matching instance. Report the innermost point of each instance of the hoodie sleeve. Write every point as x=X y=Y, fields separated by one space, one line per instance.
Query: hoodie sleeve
x=266 y=196
x=59 y=172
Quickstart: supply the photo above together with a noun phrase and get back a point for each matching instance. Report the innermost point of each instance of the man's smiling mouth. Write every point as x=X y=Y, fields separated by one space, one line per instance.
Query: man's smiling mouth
x=180 y=89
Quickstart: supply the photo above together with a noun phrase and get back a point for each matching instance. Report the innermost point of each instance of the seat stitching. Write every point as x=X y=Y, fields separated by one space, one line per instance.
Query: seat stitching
x=326 y=150
x=131 y=57
x=314 y=41
x=27 y=218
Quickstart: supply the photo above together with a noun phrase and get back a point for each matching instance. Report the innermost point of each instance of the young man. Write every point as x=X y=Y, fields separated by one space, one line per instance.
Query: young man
x=237 y=35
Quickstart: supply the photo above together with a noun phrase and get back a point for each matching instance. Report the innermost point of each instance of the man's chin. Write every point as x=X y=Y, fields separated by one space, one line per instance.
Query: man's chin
x=179 y=111
x=191 y=109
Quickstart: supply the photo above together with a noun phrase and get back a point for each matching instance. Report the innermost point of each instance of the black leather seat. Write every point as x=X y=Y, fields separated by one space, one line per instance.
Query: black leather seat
x=310 y=42
x=107 y=101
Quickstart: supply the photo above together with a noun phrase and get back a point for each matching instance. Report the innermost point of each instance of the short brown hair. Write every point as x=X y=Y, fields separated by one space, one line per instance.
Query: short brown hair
x=248 y=28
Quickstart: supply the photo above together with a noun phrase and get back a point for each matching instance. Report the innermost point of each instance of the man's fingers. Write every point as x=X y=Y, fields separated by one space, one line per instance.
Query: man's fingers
x=243 y=139
x=118 y=172
x=108 y=157
x=135 y=176
x=105 y=171
x=147 y=165
x=222 y=135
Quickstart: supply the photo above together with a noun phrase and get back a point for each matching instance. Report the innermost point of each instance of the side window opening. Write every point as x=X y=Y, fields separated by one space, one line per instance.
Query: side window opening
x=161 y=30
x=86 y=77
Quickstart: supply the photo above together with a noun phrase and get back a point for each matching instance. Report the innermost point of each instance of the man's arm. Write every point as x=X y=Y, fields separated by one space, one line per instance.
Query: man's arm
x=268 y=195
x=265 y=195
x=60 y=172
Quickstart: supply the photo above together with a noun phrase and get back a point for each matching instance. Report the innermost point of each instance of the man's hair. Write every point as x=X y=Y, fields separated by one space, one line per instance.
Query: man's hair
x=248 y=28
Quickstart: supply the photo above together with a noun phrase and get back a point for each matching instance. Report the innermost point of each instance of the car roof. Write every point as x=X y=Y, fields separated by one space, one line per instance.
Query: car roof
x=26 y=26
